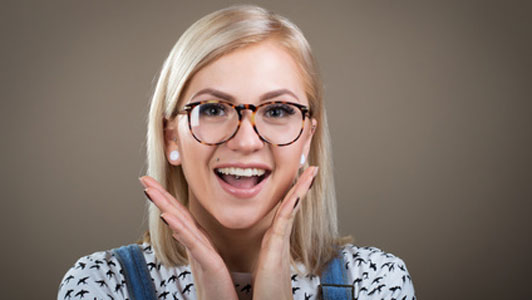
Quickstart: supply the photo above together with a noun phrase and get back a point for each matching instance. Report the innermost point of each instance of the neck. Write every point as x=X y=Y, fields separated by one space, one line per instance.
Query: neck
x=239 y=248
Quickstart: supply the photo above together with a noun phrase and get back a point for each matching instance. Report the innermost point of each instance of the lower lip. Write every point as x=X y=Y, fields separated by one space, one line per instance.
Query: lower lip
x=242 y=193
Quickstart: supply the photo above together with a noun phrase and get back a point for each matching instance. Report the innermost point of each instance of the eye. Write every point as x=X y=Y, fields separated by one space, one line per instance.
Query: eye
x=279 y=110
x=213 y=110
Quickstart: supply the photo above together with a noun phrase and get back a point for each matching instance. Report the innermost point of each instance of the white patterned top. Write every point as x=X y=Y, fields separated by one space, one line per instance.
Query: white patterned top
x=373 y=273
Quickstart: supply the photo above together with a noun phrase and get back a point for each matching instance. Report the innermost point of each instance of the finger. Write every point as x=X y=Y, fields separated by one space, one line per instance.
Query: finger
x=298 y=191
x=152 y=183
x=182 y=214
x=149 y=181
x=165 y=205
x=171 y=205
x=200 y=250
x=188 y=235
x=283 y=220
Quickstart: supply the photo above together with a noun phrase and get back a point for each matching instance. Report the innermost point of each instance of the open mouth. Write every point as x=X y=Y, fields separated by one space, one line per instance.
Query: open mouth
x=242 y=178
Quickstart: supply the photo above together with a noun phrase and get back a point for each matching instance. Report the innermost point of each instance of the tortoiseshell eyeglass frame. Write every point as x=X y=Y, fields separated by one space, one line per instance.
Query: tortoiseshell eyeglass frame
x=187 y=109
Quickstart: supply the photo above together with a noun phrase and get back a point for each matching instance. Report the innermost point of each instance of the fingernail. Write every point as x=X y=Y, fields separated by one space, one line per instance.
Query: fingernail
x=147 y=196
x=312 y=182
x=314 y=177
x=297 y=201
x=142 y=182
x=164 y=220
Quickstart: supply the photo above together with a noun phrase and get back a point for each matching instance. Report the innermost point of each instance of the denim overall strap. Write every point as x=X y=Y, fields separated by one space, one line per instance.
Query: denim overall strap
x=334 y=283
x=138 y=279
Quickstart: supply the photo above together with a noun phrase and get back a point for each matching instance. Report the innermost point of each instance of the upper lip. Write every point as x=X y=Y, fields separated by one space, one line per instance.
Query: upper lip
x=244 y=166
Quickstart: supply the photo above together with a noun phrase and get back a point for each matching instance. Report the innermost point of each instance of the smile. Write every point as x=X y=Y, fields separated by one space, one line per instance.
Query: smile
x=242 y=182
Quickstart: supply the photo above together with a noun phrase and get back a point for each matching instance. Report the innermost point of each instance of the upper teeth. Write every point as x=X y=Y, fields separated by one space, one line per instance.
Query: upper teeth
x=242 y=172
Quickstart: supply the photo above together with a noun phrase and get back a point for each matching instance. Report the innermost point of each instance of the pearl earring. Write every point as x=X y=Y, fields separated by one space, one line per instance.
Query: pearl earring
x=174 y=155
x=302 y=160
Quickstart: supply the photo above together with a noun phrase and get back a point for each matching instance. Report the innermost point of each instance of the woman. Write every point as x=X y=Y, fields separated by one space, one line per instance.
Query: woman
x=239 y=178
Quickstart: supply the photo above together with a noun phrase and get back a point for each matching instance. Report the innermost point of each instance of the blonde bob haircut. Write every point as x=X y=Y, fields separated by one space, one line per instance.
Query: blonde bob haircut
x=314 y=239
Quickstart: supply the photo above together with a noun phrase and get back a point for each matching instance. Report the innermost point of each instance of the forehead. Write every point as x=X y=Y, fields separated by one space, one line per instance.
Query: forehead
x=249 y=73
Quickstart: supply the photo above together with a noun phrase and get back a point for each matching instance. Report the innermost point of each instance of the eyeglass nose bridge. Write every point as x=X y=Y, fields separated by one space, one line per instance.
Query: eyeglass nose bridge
x=242 y=107
x=239 y=109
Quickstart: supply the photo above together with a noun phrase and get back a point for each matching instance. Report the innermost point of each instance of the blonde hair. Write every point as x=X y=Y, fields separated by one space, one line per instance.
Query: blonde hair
x=314 y=239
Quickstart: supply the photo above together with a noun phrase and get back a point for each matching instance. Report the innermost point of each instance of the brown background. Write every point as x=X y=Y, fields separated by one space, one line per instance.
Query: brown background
x=429 y=106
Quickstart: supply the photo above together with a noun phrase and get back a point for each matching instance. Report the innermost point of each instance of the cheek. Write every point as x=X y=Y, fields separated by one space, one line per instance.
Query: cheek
x=287 y=159
x=287 y=164
x=194 y=160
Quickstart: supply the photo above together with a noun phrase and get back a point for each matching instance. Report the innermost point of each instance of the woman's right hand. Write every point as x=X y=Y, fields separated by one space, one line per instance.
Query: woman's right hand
x=211 y=276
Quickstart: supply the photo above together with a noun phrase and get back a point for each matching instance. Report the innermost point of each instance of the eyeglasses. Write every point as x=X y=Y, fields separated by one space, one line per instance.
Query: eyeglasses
x=213 y=122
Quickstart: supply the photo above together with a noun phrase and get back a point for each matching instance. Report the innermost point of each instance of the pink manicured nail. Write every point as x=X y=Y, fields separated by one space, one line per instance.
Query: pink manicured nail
x=297 y=201
x=311 y=183
x=147 y=196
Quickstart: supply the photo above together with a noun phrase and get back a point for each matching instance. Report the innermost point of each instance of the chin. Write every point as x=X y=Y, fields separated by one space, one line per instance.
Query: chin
x=239 y=220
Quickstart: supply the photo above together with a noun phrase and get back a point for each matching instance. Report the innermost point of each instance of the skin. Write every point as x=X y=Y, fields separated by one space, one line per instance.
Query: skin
x=221 y=232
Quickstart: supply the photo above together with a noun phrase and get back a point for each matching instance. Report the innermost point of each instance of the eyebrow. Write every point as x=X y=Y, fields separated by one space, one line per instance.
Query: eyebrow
x=227 y=97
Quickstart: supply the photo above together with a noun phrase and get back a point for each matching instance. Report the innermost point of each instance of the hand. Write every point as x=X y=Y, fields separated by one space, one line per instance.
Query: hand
x=272 y=275
x=211 y=276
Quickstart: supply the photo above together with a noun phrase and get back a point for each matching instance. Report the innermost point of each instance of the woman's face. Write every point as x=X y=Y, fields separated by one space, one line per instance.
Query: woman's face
x=245 y=75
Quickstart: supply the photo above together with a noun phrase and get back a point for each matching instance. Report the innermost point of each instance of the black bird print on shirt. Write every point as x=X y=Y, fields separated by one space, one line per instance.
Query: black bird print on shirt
x=395 y=288
x=163 y=295
x=81 y=265
x=373 y=266
x=101 y=282
x=311 y=276
x=151 y=266
x=389 y=264
x=81 y=293
x=187 y=288
x=110 y=263
x=69 y=294
x=294 y=277
x=379 y=288
x=83 y=280
x=376 y=280
x=183 y=274
x=68 y=279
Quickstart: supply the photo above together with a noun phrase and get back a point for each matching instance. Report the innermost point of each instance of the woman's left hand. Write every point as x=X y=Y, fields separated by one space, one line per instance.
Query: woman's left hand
x=272 y=278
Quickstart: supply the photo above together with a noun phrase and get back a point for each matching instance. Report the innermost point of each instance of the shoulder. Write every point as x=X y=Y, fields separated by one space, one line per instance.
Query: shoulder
x=96 y=275
x=100 y=275
x=376 y=273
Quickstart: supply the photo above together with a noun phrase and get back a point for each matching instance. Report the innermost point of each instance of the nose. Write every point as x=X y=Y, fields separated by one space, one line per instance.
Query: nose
x=246 y=139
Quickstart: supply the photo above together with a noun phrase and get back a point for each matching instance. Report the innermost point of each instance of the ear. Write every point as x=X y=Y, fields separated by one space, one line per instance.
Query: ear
x=170 y=142
x=308 y=141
